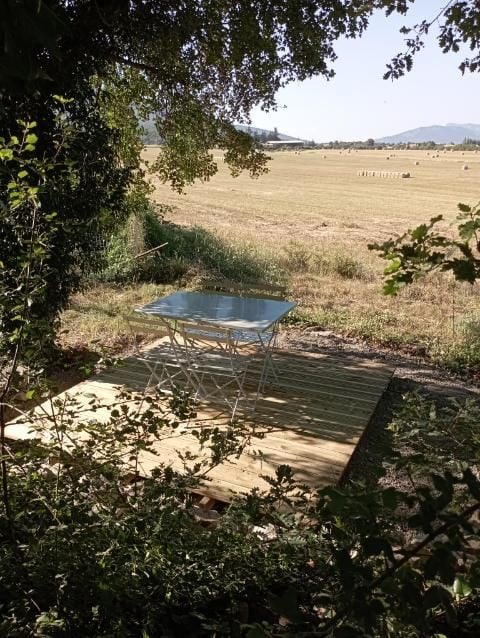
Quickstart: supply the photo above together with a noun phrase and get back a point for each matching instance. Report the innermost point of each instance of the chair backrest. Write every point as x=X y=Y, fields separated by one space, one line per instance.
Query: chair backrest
x=144 y=324
x=198 y=331
x=246 y=289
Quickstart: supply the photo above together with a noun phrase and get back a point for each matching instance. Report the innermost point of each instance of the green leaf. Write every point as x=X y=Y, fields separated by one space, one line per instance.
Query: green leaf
x=393 y=266
x=435 y=596
x=62 y=100
x=391 y=287
x=461 y=588
x=31 y=138
x=420 y=232
x=374 y=546
x=465 y=208
x=442 y=484
x=463 y=269
x=337 y=500
x=286 y=604
x=472 y=482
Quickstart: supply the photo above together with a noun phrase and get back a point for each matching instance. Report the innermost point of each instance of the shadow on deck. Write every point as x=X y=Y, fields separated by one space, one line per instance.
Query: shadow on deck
x=311 y=420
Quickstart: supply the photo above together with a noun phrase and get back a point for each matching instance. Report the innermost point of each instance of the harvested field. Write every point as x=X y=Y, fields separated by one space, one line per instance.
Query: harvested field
x=311 y=219
x=315 y=216
x=306 y=197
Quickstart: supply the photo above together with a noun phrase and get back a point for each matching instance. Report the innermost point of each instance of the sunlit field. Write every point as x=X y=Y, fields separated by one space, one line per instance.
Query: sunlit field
x=314 y=213
x=316 y=195
x=310 y=220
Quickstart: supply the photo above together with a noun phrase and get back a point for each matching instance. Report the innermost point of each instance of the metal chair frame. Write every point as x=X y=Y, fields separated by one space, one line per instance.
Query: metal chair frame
x=193 y=360
x=267 y=340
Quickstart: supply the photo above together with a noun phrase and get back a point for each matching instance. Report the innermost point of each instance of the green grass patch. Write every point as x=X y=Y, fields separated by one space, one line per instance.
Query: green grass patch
x=297 y=257
x=188 y=253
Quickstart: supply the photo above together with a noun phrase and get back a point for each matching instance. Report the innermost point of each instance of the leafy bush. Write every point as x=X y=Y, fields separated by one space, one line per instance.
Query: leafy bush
x=339 y=263
x=86 y=553
x=63 y=184
x=297 y=257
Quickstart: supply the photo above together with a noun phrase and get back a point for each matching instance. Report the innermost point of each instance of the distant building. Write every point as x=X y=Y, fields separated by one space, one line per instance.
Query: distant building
x=287 y=143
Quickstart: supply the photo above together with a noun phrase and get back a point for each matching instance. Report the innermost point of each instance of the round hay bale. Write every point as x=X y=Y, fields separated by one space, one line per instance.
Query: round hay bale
x=417 y=163
x=388 y=157
x=405 y=175
x=465 y=167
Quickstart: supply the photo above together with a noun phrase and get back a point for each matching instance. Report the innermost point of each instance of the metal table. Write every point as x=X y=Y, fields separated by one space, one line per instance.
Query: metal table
x=208 y=334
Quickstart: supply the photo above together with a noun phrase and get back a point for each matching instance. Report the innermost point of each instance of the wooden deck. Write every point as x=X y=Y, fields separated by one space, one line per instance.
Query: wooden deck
x=312 y=421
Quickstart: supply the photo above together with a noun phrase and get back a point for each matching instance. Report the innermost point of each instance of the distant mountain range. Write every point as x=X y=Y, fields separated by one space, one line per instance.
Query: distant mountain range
x=150 y=134
x=446 y=134
x=253 y=130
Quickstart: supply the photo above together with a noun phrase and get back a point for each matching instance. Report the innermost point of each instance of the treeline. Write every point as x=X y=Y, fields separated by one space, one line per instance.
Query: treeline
x=150 y=136
x=467 y=145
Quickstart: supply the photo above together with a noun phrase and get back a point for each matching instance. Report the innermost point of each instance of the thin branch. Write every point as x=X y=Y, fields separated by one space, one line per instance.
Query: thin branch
x=150 y=68
x=151 y=250
x=465 y=515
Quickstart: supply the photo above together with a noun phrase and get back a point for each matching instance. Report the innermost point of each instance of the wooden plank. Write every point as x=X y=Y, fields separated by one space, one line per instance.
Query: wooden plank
x=350 y=386
x=338 y=364
x=247 y=472
x=361 y=383
x=228 y=287
x=312 y=423
x=352 y=408
x=207 y=503
x=268 y=447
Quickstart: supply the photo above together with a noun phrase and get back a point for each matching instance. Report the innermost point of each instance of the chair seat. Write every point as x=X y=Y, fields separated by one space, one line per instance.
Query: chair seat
x=239 y=336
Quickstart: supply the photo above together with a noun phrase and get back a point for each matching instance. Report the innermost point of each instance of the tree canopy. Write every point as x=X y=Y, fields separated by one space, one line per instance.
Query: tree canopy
x=196 y=68
x=199 y=66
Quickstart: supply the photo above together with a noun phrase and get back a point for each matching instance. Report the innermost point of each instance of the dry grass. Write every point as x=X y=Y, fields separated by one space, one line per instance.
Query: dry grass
x=96 y=316
x=308 y=198
x=316 y=216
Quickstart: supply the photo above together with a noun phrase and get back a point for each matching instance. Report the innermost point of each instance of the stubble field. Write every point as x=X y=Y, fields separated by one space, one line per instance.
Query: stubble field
x=317 y=195
x=308 y=221
x=314 y=215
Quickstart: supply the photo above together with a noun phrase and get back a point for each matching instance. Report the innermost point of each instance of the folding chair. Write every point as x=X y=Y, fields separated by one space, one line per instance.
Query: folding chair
x=266 y=340
x=161 y=363
x=210 y=373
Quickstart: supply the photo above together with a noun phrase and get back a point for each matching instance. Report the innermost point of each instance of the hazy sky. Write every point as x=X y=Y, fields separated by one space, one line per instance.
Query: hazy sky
x=358 y=103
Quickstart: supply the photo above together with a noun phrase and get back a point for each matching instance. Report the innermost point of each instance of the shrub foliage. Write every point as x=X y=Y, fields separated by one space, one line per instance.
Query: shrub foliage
x=87 y=553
